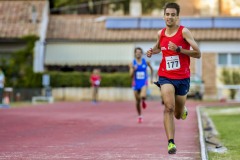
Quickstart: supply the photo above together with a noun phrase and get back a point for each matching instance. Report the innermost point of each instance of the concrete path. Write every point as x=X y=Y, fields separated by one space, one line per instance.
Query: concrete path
x=103 y=131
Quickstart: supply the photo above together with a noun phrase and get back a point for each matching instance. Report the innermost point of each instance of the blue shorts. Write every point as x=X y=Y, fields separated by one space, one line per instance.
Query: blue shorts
x=139 y=84
x=181 y=85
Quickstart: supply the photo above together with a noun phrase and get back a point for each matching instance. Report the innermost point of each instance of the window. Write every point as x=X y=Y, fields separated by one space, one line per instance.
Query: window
x=235 y=59
x=222 y=59
x=229 y=59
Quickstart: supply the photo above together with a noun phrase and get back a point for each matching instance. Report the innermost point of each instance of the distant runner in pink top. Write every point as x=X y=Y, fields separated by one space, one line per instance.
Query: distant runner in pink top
x=95 y=80
x=174 y=42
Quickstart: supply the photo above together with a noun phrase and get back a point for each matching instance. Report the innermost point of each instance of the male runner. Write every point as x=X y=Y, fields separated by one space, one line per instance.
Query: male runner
x=138 y=72
x=174 y=42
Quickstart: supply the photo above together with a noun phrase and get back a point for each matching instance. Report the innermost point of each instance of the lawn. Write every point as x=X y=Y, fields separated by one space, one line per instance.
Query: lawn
x=227 y=122
x=20 y=104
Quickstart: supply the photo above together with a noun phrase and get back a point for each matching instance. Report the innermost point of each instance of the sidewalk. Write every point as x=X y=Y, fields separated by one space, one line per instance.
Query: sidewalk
x=103 y=131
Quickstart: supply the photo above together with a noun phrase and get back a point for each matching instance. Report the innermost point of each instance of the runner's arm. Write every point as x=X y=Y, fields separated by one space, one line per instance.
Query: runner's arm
x=195 y=52
x=151 y=71
x=131 y=70
x=156 y=48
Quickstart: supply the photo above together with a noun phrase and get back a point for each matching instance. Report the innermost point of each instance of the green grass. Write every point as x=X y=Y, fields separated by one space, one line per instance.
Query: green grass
x=227 y=124
x=20 y=104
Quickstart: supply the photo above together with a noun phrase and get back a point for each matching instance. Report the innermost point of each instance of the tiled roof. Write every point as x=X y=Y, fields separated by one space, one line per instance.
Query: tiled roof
x=16 y=16
x=15 y=22
x=88 y=28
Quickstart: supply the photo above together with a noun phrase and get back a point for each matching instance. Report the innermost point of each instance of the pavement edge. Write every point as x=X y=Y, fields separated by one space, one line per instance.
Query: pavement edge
x=204 y=154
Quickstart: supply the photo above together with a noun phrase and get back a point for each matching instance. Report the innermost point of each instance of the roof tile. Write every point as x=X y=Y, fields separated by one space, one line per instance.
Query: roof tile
x=86 y=28
x=15 y=17
x=15 y=22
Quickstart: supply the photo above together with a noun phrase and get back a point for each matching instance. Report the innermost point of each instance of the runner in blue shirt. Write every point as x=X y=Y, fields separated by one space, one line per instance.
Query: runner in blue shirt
x=139 y=74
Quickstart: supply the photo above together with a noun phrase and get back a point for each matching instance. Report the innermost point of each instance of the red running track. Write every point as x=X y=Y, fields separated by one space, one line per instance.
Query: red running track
x=103 y=131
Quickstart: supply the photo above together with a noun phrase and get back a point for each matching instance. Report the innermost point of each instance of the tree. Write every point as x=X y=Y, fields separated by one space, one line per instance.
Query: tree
x=149 y=5
x=97 y=6
x=19 y=68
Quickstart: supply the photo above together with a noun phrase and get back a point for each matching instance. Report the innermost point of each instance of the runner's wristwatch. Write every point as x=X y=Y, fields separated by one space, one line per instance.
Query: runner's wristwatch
x=178 y=49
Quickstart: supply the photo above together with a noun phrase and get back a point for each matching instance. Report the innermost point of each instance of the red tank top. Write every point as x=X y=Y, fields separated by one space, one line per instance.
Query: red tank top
x=174 y=65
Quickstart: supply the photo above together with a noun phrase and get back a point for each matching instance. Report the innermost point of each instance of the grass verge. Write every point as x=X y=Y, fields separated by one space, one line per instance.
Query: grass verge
x=227 y=122
x=20 y=104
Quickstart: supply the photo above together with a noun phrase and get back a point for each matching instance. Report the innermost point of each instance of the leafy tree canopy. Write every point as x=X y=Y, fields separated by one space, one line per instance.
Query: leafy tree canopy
x=96 y=6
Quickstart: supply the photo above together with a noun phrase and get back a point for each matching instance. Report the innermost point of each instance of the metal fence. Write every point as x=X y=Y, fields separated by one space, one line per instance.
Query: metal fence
x=22 y=94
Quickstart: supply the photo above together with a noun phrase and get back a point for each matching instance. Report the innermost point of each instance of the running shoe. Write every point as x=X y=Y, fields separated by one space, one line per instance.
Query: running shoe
x=185 y=113
x=172 y=149
x=140 y=119
x=94 y=102
x=144 y=105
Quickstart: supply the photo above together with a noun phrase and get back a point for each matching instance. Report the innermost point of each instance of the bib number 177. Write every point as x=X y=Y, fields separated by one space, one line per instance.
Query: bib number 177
x=172 y=62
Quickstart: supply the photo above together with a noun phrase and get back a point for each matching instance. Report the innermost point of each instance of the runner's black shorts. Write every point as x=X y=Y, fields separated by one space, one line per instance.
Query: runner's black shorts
x=181 y=85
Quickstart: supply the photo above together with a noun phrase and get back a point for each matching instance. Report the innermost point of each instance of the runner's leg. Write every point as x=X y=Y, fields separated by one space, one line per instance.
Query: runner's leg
x=179 y=105
x=143 y=95
x=96 y=93
x=137 y=98
x=168 y=95
x=93 y=94
x=143 y=92
x=181 y=97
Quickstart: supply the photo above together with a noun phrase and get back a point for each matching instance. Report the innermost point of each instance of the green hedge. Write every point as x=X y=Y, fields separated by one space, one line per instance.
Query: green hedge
x=70 y=79
x=81 y=79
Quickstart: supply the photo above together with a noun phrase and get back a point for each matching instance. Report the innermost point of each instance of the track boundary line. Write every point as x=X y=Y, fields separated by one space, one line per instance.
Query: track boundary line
x=204 y=154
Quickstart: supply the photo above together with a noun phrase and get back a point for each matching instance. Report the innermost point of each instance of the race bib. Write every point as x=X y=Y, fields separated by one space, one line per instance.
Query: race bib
x=97 y=82
x=140 y=75
x=172 y=62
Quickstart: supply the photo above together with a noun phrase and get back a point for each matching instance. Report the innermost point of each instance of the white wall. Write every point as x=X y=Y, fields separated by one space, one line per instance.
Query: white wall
x=105 y=94
x=219 y=47
x=89 y=53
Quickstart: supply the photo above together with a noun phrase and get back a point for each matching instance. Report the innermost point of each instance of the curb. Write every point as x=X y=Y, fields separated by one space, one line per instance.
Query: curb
x=204 y=154
x=4 y=106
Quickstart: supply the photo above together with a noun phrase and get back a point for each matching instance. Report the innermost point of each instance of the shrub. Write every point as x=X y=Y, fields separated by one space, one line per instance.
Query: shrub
x=81 y=79
x=231 y=77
